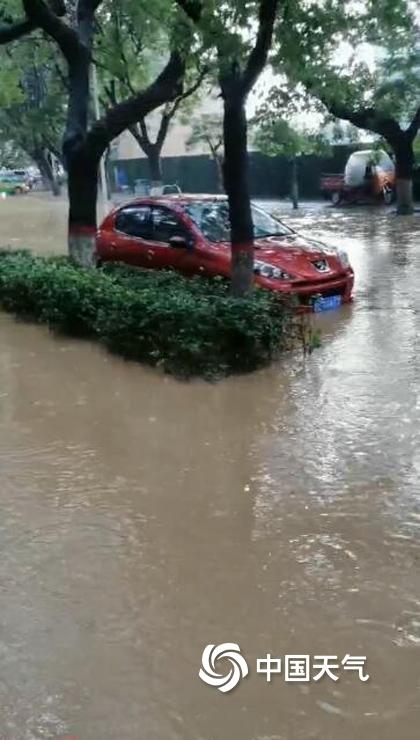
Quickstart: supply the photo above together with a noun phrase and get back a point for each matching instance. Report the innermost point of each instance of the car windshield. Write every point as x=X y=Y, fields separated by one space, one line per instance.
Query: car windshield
x=212 y=218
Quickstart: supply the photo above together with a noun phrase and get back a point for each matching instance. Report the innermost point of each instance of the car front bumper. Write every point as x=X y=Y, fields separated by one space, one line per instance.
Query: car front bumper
x=307 y=290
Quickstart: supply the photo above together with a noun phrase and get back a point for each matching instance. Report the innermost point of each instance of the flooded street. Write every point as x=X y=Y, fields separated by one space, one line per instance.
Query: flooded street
x=34 y=221
x=143 y=518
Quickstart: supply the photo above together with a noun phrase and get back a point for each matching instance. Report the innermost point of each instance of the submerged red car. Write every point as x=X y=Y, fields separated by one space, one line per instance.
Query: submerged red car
x=191 y=234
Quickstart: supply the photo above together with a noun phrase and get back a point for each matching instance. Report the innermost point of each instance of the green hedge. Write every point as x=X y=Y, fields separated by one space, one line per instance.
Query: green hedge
x=187 y=326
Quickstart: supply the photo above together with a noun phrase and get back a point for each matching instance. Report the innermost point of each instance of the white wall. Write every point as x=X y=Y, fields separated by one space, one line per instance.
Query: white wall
x=125 y=147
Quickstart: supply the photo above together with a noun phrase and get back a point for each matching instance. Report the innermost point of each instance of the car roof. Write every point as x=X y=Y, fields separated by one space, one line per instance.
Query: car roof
x=174 y=199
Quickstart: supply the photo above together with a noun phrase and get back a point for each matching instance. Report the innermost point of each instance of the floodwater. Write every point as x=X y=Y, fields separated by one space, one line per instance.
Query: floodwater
x=143 y=518
x=33 y=221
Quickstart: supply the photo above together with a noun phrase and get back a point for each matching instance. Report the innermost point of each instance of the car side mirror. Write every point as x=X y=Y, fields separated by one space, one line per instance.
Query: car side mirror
x=180 y=242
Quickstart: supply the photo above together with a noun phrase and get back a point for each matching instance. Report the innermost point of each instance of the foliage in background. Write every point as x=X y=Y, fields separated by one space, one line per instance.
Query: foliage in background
x=133 y=40
x=11 y=156
x=74 y=28
x=207 y=131
x=186 y=326
x=276 y=136
x=323 y=51
x=33 y=111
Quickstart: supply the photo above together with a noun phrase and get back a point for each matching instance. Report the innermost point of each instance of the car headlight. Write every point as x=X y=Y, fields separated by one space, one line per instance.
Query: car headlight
x=343 y=257
x=340 y=254
x=269 y=271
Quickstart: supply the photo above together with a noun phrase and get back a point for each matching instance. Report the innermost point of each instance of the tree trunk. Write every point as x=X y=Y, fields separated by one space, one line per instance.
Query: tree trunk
x=295 y=184
x=108 y=179
x=55 y=187
x=220 y=179
x=404 y=160
x=82 y=166
x=83 y=147
x=237 y=189
x=155 y=164
x=218 y=161
x=83 y=190
x=43 y=161
x=405 y=205
x=152 y=151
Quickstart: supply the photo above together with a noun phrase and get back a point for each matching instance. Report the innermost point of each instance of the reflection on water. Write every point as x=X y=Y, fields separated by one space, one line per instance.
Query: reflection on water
x=143 y=518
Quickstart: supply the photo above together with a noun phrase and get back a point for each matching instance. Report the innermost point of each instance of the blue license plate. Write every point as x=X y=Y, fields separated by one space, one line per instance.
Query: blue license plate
x=328 y=303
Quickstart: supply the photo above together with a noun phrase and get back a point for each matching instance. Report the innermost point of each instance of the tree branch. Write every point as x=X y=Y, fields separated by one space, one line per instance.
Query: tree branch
x=187 y=94
x=218 y=145
x=369 y=119
x=366 y=118
x=53 y=148
x=414 y=125
x=163 y=130
x=166 y=119
x=85 y=13
x=40 y=15
x=133 y=37
x=192 y=8
x=63 y=78
x=258 y=56
x=120 y=117
x=110 y=93
x=15 y=31
x=144 y=130
x=141 y=141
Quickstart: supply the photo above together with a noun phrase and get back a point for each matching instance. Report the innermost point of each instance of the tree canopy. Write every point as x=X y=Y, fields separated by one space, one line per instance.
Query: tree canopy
x=360 y=62
x=32 y=102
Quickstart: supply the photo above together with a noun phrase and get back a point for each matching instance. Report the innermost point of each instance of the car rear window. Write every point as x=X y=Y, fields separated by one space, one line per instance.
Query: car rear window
x=135 y=221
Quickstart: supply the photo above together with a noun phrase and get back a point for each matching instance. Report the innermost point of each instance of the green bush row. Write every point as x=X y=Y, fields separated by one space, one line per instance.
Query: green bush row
x=189 y=326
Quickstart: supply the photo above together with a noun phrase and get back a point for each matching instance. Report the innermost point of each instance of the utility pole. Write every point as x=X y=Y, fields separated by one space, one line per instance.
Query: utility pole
x=102 y=173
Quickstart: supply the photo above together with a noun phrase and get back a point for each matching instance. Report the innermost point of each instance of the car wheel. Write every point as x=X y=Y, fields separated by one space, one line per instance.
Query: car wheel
x=388 y=195
x=336 y=198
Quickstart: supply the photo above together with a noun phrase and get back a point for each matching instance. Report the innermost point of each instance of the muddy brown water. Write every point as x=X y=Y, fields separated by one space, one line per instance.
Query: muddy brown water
x=143 y=518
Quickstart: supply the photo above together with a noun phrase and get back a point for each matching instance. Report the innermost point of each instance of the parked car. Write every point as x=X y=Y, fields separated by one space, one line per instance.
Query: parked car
x=369 y=175
x=191 y=234
x=13 y=185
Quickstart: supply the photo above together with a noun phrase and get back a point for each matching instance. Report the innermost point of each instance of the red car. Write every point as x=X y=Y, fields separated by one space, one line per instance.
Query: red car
x=191 y=234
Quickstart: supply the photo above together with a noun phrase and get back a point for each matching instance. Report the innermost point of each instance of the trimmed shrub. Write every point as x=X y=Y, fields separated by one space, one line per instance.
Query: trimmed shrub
x=188 y=326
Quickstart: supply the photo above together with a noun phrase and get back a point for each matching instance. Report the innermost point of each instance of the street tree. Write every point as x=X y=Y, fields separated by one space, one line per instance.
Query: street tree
x=274 y=137
x=207 y=131
x=128 y=54
x=240 y=33
x=121 y=45
x=32 y=105
x=152 y=145
x=74 y=30
x=322 y=49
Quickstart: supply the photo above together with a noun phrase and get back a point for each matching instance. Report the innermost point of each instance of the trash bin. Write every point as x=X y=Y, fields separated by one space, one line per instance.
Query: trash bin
x=142 y=187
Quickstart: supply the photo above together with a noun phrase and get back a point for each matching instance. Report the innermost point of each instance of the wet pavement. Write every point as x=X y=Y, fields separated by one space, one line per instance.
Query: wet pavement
x=143 y=518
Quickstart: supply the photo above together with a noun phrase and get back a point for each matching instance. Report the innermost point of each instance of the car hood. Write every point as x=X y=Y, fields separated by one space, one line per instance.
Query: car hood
x=300 y=257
